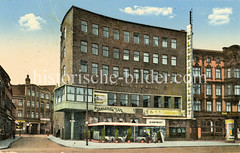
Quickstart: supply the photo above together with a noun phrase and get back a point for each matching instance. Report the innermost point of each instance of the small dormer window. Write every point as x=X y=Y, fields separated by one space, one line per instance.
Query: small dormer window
x=208 y=60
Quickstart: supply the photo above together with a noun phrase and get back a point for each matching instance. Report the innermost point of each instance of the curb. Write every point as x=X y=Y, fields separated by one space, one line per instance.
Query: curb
x=7 y=146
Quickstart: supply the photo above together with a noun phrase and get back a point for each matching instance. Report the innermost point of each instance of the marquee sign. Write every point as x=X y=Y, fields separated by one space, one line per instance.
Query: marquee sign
x=189 y=72
x=113 y=109
x=101 y=98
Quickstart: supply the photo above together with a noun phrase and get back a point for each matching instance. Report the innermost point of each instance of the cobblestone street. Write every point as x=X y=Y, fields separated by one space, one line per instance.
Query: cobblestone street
x=37 y=144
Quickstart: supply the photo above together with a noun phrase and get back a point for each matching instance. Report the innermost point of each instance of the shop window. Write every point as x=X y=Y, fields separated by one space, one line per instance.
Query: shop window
x=219 y=126
x=207 y=126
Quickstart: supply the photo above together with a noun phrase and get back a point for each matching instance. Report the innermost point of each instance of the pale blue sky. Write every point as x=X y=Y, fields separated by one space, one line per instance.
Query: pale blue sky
x=26 y=47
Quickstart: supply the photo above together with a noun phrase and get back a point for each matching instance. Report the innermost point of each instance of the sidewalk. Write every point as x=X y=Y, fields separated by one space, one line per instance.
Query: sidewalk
x=6 y=143
x=93 y=145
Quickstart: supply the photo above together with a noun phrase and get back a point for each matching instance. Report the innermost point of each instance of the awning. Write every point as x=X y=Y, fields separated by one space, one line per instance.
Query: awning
x=120 y=124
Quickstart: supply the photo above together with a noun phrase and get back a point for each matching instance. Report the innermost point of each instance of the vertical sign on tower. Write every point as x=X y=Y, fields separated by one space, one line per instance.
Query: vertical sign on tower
x=189 y=55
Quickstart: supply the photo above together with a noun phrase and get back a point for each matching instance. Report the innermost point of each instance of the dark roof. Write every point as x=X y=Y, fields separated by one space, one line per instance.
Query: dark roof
x=48 y=87
x=3 y=73
x=18 y=89
x=118 y=19
x=207 y=51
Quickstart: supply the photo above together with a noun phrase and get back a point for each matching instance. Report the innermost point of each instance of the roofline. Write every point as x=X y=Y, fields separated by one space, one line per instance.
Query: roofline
x=2 y=69
x=183 y=31
x=208 y=50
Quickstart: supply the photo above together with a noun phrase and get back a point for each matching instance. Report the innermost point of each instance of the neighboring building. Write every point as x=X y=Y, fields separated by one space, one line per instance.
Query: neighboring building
x=219 y=98
x=33 y=107
x=7 y=108
x=91 y=42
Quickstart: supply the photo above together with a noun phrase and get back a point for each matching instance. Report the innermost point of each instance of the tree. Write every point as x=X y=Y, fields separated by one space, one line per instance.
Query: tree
x=103 y=134
x=129 y=133
x=116 y=134
x=158 y=135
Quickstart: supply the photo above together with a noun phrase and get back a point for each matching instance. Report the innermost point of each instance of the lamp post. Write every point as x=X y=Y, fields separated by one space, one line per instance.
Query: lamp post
x=87 y=116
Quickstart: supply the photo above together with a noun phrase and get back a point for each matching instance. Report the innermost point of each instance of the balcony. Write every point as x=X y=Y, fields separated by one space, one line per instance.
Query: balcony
x=68 y=97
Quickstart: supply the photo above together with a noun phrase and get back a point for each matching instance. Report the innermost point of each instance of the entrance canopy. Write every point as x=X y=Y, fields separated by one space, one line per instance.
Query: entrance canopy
x=121 y=124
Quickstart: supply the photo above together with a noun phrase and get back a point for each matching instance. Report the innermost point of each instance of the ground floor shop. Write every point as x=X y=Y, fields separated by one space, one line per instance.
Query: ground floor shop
x=214 y=126
x=7 y=126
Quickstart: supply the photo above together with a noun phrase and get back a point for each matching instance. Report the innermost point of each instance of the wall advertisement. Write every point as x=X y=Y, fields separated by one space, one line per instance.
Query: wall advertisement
x=101 y=98
x=230 y=136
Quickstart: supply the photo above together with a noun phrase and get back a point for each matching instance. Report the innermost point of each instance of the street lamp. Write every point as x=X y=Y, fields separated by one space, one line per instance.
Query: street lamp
x=87 y=116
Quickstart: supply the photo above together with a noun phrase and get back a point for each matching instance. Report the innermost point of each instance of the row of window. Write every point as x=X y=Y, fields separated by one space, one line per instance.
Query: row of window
x=209 y=106
x=208 y=60
x=46 y=96
x=33 y=114
x=126 y=54
x=126 y=36
x=110 y=119
x=236 y=72
x=20 y=103
x=218 y=89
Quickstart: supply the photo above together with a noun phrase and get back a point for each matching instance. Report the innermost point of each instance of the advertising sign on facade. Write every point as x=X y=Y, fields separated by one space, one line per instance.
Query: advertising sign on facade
x=101 y=98
x=230 y=136
x=158 y=122
x=189 y=72
x=113 y=109
x=163 y=112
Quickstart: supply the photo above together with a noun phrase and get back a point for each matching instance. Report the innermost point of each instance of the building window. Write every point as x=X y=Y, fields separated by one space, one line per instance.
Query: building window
x=174 y=61
x=218 y=61
x=112 y=99
x=196 y=88
x=236 y=73
x=33 y=115
x=42 y=104
x=37 y=115
x=116 y=71
x=177 y=102
x=29 y=93
x=218 y=90
x=238 y=107
x=136 y=74
x=28 y=114
x=136 y=56
x=157 y=102
x=209 y=106
x=94 y=68
x=47 y=96
x=228 y=73
x=37 y=94
x=84 y=67
x=126 y=35
x=105 y=69
x=116 y=34
x=146 y=39
x=37 y=104
x=174 y=43
x=115 y=53
x=155 y=58
x=70 y=93
x=155 y=41
x=197 y=106
x=165 y=77
x=174 y=77
x=125 y=54
x=237 y=90
x=146 y=101
x=135 y=100
x=95 y=49
x=106 y=32
x=95 y=29
x=209 y=73
x=164 y=59
x=228 y=107
x=164 y=42
x=167 y=102
x=20 y=102
x=219 y=106
x=28 y=103
x=208 y=60
x=146 y=74
x=209 y=90
x=136 y=37
x=196 y=71
x=145 y=57
x=81 y=94
x=20 y=113
x=123 y=99
x=33 y=104
x=105 y=51
x=126 y=72
x=229 y=90
x=84 y=26
x=218 y=73
x=33 y=93
x=47 y=106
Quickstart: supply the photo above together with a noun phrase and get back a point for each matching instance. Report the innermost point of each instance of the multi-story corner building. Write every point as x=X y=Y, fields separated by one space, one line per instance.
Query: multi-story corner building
x=94 y=45
x=217 y=96
x=33 y=107
x=7 y=108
